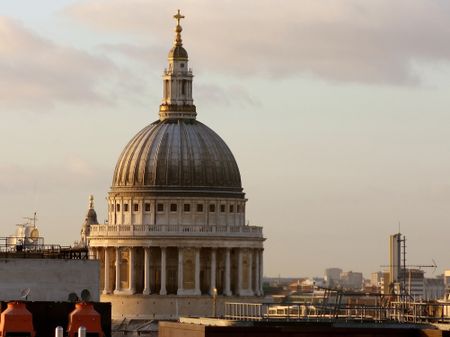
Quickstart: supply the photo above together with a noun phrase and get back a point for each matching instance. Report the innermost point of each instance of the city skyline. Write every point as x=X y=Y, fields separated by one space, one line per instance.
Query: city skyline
x=336 y=112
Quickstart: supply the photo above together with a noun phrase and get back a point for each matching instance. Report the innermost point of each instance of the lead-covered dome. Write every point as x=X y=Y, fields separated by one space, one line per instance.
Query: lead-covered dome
x=177 y=155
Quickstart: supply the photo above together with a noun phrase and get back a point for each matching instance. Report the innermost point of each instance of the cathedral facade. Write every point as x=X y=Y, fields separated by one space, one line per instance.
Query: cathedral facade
x=176 y=235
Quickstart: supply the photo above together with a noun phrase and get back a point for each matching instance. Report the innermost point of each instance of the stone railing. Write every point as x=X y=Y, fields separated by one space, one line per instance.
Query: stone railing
x=175 y=230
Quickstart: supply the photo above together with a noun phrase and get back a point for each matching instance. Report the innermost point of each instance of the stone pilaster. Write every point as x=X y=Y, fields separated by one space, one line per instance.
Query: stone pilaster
x=131 y=271
x=163 y=290
x=146 y=271
x=118 y=287
x=106 y=283
x=180 y=290
x=261 y=271
x=239 y=272
x=213 y=272
x=227 y=289
x=197 y=272
x=257 y=274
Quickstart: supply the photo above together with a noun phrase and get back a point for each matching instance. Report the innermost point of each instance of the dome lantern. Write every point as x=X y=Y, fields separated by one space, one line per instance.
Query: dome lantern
x=177 y=99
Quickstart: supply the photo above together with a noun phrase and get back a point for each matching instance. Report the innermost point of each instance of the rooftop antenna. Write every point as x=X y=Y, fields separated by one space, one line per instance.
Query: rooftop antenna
x=32 y=220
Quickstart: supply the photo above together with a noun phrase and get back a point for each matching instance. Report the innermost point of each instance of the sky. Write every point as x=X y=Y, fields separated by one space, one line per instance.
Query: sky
x=337 y=112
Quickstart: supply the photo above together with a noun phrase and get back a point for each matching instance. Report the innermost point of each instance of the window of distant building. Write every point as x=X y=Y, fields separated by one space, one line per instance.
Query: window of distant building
x=160 y=207
x=231 y=208
x=173 y=207
x=187 y=207
x=125 y=207
x=147 y=207
x=222 y=208
x=118 y=207
x=212 y=208
x=199 y=207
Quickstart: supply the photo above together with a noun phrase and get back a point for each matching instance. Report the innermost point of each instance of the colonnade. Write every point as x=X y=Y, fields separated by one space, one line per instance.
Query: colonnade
x=192 y=271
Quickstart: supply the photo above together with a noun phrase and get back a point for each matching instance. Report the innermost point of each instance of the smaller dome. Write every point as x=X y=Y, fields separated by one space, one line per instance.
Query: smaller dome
x=91 y=217
x=178 y=53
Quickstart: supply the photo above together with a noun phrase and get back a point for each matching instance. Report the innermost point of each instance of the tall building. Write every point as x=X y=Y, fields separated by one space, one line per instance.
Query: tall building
x=414 y=282
x=376 y=279
x=352 y=280
x=395 y=256
x=332 y=277
x=176 y=234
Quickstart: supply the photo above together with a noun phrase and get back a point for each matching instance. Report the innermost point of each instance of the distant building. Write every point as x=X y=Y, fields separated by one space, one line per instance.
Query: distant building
x=384 y=283
x=376 y=279
x=351 y=280
x=434 y=288
x=332 y=277
x=395 y=257
x=447 y=284
x=414 y=282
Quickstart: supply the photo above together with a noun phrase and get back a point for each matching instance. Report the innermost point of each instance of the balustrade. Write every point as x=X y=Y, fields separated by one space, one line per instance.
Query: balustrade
x=155 y=230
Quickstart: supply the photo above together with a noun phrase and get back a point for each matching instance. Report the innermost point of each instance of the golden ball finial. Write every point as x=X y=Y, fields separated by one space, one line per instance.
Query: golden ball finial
x=178 y=29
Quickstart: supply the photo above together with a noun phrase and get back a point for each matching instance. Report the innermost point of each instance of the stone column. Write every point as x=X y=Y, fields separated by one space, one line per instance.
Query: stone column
x=197 y=272
x=257 y=290
x=146 y=271
x=131 y=271
x=106 y=283
x=91 y=253
x=261 y=272
x=97 y=253
x=180 y=290
x=163 y=290
x=239 y=272
x=118 y=288
x=250 y=272
x=227 y=288
x=213 y=271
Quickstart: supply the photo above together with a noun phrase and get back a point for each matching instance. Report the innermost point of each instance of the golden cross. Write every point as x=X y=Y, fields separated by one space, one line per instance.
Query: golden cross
x=178 y=17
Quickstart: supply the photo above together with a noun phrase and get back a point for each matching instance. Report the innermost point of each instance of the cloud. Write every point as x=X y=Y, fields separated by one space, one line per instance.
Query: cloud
x=372 y=41
x=36 y=73
x=211 y=94
x=73 y=173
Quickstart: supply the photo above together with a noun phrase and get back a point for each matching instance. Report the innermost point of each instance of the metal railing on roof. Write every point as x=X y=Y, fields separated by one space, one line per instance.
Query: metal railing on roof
x=19 y=247
x=399 y=311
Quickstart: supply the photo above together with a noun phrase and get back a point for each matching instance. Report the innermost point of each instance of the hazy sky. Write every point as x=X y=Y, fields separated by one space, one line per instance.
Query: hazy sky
x=337 y=111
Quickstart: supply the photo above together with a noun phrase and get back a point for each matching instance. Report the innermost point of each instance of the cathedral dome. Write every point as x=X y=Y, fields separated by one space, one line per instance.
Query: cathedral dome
x=177 y=155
